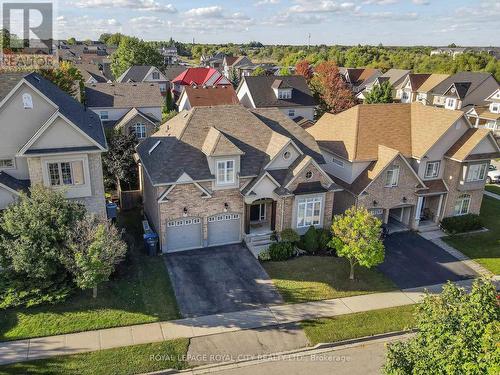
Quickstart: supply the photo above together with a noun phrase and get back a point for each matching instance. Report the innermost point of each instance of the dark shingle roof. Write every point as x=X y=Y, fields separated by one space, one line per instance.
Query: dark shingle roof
x=123 y=95
x=261 y=89
x=86 y=120
x=173 y=71
x=13 y=183
x=135 y=73
x=8 y=81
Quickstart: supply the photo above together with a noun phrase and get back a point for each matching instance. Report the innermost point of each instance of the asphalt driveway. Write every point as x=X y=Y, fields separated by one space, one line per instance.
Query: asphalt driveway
x=412 y=261
x=219 y=279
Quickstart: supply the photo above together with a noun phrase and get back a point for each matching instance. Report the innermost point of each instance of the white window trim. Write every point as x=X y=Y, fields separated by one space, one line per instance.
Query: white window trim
x=394 y=178
x=435 y=170
x=460 y=200
x=305 y=201
x=448 y=106
x=291 y=112
x=482 y=170
x=8 y=168
x=70 y=191
x=233 y=176
x=134 y=129
x=101 y=115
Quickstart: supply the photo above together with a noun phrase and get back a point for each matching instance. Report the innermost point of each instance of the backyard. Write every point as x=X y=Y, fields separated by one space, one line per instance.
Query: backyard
x=484 y=248
x=313 y=278
x=139 y=292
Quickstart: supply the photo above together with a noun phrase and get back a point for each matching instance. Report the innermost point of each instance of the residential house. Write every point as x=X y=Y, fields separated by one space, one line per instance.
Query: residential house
x=487 y=116
x=198 y=77
x=49 y=139
x=450 y=51
x=145 y=73
x=395 y=77
x=92 y=73
x=222 y=174
x=202 y=96
x=242 y=65
x=214 y=61
x=170 y=56
x=131 y=107
x=290 y=94
x=417 y=87
x=171 y=72
x=358 y=78
x=464 y=90
x=411 y=165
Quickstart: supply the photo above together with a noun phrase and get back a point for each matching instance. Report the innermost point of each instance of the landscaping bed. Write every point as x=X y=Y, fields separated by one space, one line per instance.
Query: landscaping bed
x=139 y=293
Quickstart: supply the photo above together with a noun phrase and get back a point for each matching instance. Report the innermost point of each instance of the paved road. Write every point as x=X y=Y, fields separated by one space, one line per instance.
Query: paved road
x=412 y=261
x=219 y=279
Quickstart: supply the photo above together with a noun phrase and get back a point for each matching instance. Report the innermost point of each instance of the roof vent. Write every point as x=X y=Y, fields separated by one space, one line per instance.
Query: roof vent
x=153 y=148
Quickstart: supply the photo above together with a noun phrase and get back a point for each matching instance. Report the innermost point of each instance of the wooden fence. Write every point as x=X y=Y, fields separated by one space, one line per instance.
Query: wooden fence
x=130 y=199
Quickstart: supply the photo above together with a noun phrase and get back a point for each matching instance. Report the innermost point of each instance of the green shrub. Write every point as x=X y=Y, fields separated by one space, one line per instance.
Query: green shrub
x=460 y=224
x=310 y=240
x=324 y=238
x=264 y=256
x=289 y=235
x=279 y=251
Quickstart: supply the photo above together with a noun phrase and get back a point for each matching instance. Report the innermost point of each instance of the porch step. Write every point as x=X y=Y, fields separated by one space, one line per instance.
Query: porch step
x=428 y=228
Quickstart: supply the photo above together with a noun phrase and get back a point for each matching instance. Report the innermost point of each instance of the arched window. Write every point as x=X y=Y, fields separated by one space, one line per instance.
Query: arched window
x=462 y=205
x=139 y=129
x=27 y=101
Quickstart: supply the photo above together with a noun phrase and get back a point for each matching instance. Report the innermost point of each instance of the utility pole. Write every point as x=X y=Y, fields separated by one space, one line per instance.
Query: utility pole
x=308 y=40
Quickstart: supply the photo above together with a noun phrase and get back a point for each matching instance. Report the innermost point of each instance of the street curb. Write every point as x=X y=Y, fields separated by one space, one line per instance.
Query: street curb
x=318 y=348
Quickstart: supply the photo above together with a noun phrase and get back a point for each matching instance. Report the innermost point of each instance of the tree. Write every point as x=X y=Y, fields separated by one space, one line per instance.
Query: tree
x=118 y=163
x=132 y=51
x=71 y=41
x=380 y=94
x=458 y=333
x=356 y=236
x=66 y=76
x=96 y=248
x=303 y=68
x=330 y=90
x=284 y=71
x=169 y=101
x=259 y=71
x=234 y=78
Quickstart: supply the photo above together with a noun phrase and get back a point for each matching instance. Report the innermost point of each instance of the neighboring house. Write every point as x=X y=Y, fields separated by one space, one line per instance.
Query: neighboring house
x=171 y=72
x=170 y=56
x=290 y=94
x=50 y=139
x=203 y=96
x=450 y=51
x=395 y=77
x=421 y=94
x=223 y=174
x=464 y=90
x=145 y=73
x=487 y=116
x=198 y=77
x=242 y=65
x=409 y=164
x=91 y=73
x=215 y=61
x=131 y=107
x=408 y=91
x=358 y=78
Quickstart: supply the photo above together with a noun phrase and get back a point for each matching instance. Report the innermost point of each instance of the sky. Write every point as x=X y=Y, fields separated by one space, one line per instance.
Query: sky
x=390 y=22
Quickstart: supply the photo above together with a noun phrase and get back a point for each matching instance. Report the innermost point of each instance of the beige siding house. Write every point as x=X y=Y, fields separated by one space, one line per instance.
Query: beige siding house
x=50 y=139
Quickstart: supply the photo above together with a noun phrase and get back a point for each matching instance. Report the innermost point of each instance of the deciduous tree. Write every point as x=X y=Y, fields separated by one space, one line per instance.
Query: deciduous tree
x=66 y=76
x=303 y=68
x=380 y=94
x=118 y=163
x=259 y=71
x=132 y=51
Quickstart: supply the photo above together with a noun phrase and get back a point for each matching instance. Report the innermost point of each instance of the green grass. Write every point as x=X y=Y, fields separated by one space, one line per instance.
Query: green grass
x=484 y=248
x=493 y=188
x=139 y=293
x=121 y=361
x=313 y=278
x=351 y=326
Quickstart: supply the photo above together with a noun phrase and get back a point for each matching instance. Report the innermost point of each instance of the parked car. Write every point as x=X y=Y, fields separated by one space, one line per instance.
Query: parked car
x=493 y=175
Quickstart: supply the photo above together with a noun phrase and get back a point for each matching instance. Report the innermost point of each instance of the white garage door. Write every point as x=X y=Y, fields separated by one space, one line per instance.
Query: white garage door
x=184 y=234
x=224 y=229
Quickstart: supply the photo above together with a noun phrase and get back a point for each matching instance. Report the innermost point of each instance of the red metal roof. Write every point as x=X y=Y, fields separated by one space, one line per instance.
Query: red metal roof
x=196 y=76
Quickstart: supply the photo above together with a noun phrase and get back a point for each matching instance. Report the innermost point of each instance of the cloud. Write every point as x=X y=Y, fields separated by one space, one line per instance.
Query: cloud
x=420 y=2
x=85 y=27
x=295 y=19
x=142 y=5
x=213 y=11
x=380 y=2
x=323 y=6
x=389 y=16
x=266 y=2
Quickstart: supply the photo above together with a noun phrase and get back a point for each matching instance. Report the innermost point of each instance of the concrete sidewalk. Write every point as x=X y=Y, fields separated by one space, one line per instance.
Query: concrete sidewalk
x=492 y=195
x=43 y=347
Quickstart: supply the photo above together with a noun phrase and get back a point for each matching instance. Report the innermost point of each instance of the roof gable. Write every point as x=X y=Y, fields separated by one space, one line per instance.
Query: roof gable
x=470 y=141
x=217 y=144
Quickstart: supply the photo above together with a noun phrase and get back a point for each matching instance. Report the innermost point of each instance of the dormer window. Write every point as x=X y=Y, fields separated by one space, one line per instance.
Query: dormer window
x=156 y=75
x=451 y=103
x=225 y=172
x=495 y=107
x=27 y=101
x=284 y=94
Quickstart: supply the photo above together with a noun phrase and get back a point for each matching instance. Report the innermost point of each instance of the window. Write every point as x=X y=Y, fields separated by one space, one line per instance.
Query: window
x=6 y=163
x=405 y=97
x=392 y=176
x=225 y=172
x=476 y=172
x=338 y=162
x=462 y=205
x=432 y=169
x=104 y=115
x=309 y=175
x=27 y=101
x=156 y=75
x=308 y=212
x=284 y=94
x=287 y=155
x=495 y=107
x=139 y=129
x=450 y=103
x=291 y=113
x=66 y=173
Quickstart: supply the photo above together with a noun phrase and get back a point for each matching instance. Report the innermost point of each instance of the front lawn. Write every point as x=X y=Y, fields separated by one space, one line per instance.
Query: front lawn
x=493 y=188
x=313 y=278
x=121 y=361
x=351 y=326
x=139 y=293
x=484 y=248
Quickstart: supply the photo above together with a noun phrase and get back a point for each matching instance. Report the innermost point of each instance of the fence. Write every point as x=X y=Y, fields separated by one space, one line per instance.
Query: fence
x=130 y=199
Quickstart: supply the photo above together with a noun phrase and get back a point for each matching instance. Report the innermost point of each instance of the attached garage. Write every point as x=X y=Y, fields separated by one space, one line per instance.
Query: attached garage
x=378 y=213
x=184 y=234
x=224 y=229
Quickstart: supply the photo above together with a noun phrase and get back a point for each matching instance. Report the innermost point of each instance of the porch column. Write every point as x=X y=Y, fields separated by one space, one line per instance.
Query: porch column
x=273 y=215
x=247 y=218
x=438 y=213
x=418 y=211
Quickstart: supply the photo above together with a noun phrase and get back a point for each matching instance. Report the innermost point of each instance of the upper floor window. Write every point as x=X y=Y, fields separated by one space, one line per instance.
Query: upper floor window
x=476 y=172
x=66 y=173
x=462 y=205
x=291 y=113
x=225 y=172
x=27 y=101
x=432 y=169
x=156 y=75
x=6 y=163
x=392 y=176
x=287 y=155
x=495 y=107
x=405 y=96
x=284 y=94
x=139 y=129
x=451 y=103
x=104 y=115
x=308 y=212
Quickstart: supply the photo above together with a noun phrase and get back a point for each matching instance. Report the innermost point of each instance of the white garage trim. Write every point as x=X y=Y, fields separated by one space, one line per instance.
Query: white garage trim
x=224 y=229
x=184 y=234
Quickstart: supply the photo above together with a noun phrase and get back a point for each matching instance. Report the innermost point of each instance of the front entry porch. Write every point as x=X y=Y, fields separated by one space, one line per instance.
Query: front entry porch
x=429 y=212
x=260 y=223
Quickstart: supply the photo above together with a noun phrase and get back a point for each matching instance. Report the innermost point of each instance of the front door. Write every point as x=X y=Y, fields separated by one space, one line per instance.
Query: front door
x=258 y=212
